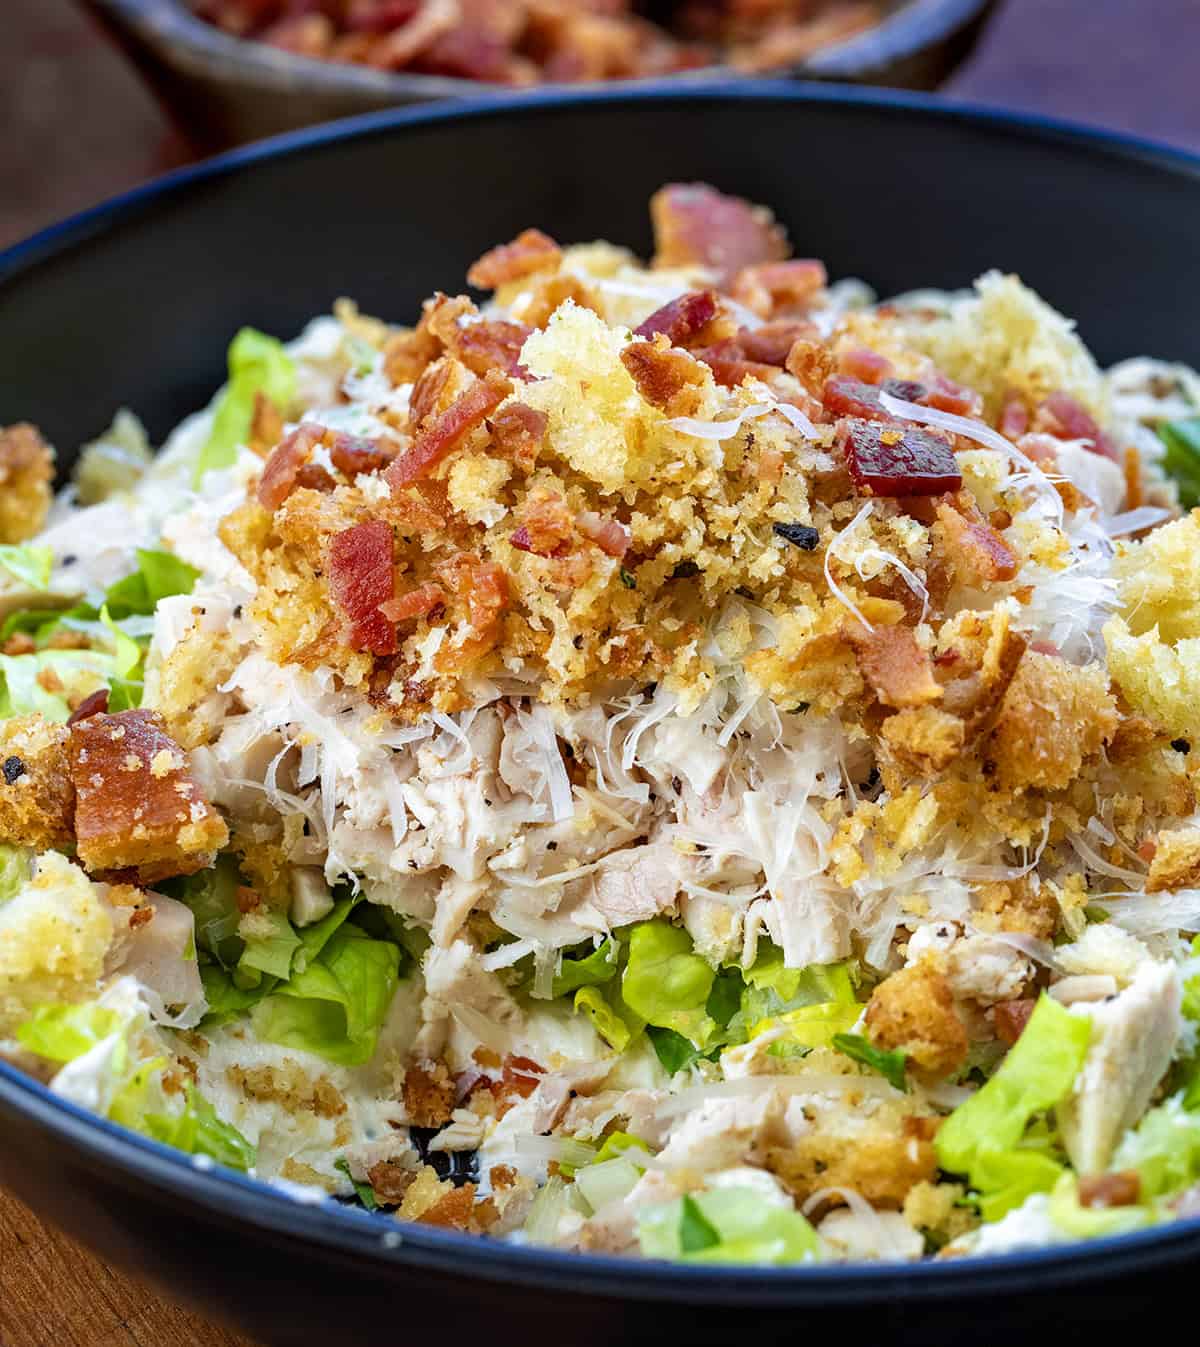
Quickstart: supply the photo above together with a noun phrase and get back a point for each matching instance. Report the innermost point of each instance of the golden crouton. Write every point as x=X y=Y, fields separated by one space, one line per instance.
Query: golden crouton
x=924 y=739
x=26 y=470
x=1019 y=907
x=914 y=1010
x=1176 y=863
x=429 y=1094
x=37 y=797
x=1053 y=717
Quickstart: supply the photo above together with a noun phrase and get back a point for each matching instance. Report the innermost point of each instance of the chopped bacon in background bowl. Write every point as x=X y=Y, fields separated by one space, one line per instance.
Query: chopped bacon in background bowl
x=525 y=42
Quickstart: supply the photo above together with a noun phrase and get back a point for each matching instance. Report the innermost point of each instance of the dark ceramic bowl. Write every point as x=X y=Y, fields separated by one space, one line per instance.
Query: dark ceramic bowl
x=225 y=91
x=133 y=303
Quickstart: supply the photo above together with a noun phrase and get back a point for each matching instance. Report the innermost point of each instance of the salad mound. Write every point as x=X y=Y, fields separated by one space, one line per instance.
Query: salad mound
x=678 y=759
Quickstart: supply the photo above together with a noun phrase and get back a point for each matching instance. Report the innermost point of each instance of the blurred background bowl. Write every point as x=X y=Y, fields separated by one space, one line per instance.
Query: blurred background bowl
x=224 y=90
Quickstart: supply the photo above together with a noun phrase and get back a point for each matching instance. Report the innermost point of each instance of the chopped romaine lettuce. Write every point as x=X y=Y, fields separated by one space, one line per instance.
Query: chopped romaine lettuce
x=199 y=1131
x=159 y=575
x=363 y=1191
x=621 y=1143
x=617 y=1026
x=1182 y=458
x=1164 y=1148
x=15 y=865
x=30 y=563
x=60 y=1033
x=666 y=984
x=270 y=950
x=257 y=364
x=26 y=681
x=890 y=1065
x=727 y=1225
x=597 y=967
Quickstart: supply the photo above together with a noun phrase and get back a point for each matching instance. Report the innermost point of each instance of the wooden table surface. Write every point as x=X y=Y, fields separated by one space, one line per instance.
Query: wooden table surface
x=85 y=128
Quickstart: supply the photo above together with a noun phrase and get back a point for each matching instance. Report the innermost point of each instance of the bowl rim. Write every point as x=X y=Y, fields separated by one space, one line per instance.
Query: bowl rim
x=183 y=39
x=238 y=1199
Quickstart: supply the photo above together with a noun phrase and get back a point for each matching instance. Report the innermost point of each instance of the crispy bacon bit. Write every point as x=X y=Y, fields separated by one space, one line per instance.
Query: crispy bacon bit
x=812 y=363
x=483 y=586
x=773 y=343
x=899 y=671
x=281 y=470
x=427 y=391
x=313 y=477
x=729 y=364
x=530 y=251
x=521 y=1074
x=1063 y=417
x=978 y=550
x=137 y=805
x=443 y=433
x=518 y=432
x=360 y=579
x=694 y=223
x=419 y=602
x=663 y=374
x=865 y=365
x=772 y=288
x=682 y=318
x=1122 y=1189
x=491 y=343
x=1011 y=1017
x=609 y=535
x=1014 y=417
x=354 y=454
x=428 y=1094
x=948 y=396
x=849 y=397
x=93 y=705
x=896 y=461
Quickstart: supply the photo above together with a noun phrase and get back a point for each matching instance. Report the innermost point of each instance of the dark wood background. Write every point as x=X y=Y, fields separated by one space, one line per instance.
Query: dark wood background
x=76 y=126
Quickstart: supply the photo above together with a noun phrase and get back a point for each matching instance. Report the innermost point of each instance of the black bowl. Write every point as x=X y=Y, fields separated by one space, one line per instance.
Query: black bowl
x=133 y=303
x=224 y=91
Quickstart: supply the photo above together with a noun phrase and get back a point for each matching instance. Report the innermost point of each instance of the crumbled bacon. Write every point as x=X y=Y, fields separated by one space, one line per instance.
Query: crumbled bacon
x=729 y=364
x=898 y=461
x=1014 y=417
x=491 y=343
x=899 y=671
x=1120 y=1189
x=313 y=477
x=530 y=251
x=681 y=319
x=360 y=579
x=694 y=223
x=812 y=363
x=442 y=434
x=427 y=392
x=1062 y=416
x=354 y=454
x=947 y=396
x=518 y=432
x=979 y=552
x=280 y=471
x=609 y=535
x=483 y=586
x=780 y=288
x=546 y=525
x=865 y=365
x=137 y=804
x=419 y=602
x=843 y=396
x=663 y=374
x=94 y=704
x=773 y=343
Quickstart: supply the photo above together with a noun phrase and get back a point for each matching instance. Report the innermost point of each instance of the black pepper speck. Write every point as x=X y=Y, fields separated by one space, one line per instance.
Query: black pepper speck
x=13 y=768
x=799 y=535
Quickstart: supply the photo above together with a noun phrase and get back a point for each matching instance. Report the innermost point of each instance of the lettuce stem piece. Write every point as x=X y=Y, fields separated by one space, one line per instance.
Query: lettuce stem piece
x=257 y=364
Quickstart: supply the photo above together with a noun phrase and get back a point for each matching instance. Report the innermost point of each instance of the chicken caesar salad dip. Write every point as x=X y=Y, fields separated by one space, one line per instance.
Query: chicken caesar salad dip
x=681 y=760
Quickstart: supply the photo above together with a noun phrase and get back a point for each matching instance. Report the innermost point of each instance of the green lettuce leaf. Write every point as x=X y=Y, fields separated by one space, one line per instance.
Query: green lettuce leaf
x=1004 y=1179
x=60 y=1033
x=1093 y=1222
x=599 y=966
x=363 y=1191
x=618 y=1144
x=666 y=984
x=616 y=1025
x=21 y=694
x=1164 y=1148
x=1182 y=459
x=336 y=1005
x=15 y=865
x=212 y=896
x=30 y=563
x=257 y=364
x=159 y=575
x=890 y=1065
x=199 y=1131
x=270 y=952
x=727 y=1225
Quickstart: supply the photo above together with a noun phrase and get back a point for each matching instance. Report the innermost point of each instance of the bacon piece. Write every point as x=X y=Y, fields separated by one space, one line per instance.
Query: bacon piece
x=663 y=374
x=484 y=587
x=729 y=364
x=491 y=343
x=1067 y=420
x=842 y=396
x=361 y=577
x=428 y=390
x=865 y=365
x=546 y=526
x=609 y=535
x=137 y=804
x=313 y=477
x=1014 y=417
x=1122 y=1189
x=354 y=454
x=93 y=705
x=682 y=318
x=947 y=396
x=772 y=343
x=530 y=251
x=899 y=671
x=812 y=363
x=1011 y=1017
x=419 y=602
x=518 y=432
x=770 y=288
x=694 y=223
x=280 y=471
x=445 y=432
x=977 y=549
x=898 y=461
